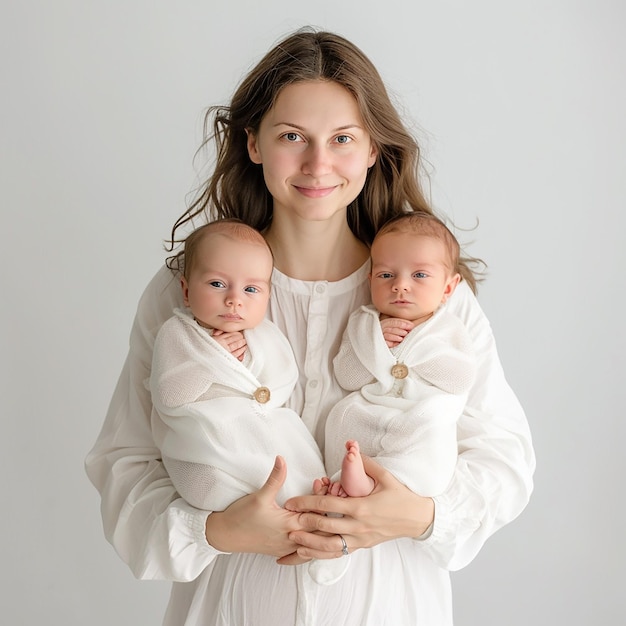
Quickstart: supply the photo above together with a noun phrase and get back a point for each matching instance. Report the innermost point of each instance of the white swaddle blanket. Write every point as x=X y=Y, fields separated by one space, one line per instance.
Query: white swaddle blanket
x=407 y=424
x=220 y=423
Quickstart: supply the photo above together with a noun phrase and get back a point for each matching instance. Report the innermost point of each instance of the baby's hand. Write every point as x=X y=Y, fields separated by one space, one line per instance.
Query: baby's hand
x=395 y=330
x=234 y=342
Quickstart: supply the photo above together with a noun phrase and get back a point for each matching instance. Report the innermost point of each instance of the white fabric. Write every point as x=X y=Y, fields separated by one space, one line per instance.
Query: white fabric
x=407 y=424
x=218 y=442
x=397 y=582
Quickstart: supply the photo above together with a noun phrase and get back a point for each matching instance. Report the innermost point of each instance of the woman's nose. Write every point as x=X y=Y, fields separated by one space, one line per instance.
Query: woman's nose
x=317 y=161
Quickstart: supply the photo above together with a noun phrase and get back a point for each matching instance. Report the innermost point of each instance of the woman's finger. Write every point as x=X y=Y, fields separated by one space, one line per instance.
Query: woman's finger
x=324 y=546
x=275 y=480
x=320 y=504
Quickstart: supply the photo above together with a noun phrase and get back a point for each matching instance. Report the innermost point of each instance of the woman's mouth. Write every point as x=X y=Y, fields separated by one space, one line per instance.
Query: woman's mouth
x=315 y=192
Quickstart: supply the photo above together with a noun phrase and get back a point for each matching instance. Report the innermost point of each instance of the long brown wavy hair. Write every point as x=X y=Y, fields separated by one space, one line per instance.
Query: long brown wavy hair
x=237 y=189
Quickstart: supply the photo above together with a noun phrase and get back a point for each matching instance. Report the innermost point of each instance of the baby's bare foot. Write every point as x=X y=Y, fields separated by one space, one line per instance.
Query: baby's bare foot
x=336 y=489
x=321 y=486
x=354 y=481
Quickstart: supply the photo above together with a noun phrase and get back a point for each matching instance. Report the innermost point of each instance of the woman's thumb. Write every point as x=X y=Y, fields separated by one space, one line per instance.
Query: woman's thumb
x=276 y=479
x=373 y=469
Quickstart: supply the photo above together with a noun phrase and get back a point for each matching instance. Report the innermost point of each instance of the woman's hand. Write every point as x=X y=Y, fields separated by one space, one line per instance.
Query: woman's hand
x=391 y=511
x=255 y=523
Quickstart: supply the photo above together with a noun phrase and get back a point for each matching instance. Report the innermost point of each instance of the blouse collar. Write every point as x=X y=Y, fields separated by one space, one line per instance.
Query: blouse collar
x=306 y=287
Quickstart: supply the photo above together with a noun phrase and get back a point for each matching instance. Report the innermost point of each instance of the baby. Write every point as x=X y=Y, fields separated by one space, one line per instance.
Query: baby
x=409 y=364
x=221 y=374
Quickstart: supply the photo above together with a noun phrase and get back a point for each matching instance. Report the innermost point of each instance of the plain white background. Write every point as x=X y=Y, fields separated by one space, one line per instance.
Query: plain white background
x=520 y=110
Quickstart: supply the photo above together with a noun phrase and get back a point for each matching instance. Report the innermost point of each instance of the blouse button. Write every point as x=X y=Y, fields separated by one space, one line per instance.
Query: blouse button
x=399 y=370
x=320 y=288
x=262 y=395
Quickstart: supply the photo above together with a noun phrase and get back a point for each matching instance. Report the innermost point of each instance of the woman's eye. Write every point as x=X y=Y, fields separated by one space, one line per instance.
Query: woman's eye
x=343 y=139
x=292 y=137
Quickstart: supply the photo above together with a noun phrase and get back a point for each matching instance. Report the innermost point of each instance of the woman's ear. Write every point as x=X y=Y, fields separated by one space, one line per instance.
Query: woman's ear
x=373 y=155
x=253 y=147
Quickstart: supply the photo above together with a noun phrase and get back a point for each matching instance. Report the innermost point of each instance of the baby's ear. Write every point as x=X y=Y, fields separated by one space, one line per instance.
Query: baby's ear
x=185 y=287
x=451 y=284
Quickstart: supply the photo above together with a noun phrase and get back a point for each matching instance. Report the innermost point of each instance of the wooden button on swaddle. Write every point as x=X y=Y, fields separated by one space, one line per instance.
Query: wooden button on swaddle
x=399 y=370
x=262 y=395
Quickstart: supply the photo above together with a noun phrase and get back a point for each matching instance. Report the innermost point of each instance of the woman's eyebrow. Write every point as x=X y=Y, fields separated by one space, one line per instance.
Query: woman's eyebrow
x=334 y=130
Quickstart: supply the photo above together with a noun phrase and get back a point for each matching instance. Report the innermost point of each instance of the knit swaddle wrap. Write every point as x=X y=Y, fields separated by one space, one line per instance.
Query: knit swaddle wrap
x=217 y=441
x=409 y=424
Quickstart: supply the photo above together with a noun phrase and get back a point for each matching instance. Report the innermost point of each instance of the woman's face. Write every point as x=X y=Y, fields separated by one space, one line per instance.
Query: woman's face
x=314 y=149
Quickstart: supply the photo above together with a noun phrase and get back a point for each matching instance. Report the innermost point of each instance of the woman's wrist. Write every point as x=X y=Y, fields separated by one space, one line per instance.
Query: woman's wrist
x=429 y=520
x=214 y=533
x=429 y=510
x=420 y=516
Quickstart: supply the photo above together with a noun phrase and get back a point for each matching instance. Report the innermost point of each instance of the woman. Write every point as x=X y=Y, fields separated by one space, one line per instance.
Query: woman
x=312 y=153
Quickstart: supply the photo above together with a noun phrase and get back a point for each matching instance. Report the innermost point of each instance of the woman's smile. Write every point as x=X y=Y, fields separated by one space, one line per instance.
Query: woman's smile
x=315 y=192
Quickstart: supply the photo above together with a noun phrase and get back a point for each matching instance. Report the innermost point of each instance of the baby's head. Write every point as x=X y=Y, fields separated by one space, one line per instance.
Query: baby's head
x=226 y=275
x=415 y=266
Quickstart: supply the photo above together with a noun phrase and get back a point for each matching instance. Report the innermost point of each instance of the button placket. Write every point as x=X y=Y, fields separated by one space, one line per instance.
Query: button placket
x=316 y=333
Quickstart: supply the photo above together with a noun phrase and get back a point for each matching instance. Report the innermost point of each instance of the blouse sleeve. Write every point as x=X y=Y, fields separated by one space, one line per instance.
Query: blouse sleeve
x=493 y=477
x=153 y=530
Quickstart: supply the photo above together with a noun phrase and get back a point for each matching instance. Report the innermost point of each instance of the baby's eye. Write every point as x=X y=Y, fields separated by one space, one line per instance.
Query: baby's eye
x=385 y=275
x=218 y=284
x=420 y=275
x=251 y=289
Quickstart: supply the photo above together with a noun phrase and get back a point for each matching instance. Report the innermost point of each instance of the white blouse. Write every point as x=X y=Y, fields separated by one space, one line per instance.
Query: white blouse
x=398 y=582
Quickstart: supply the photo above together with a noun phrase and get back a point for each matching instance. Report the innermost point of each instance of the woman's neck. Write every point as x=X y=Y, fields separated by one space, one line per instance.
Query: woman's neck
x=315 y=250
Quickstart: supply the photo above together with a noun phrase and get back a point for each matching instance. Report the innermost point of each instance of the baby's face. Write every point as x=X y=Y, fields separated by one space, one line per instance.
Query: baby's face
x=229 y=285
x=410 y=276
